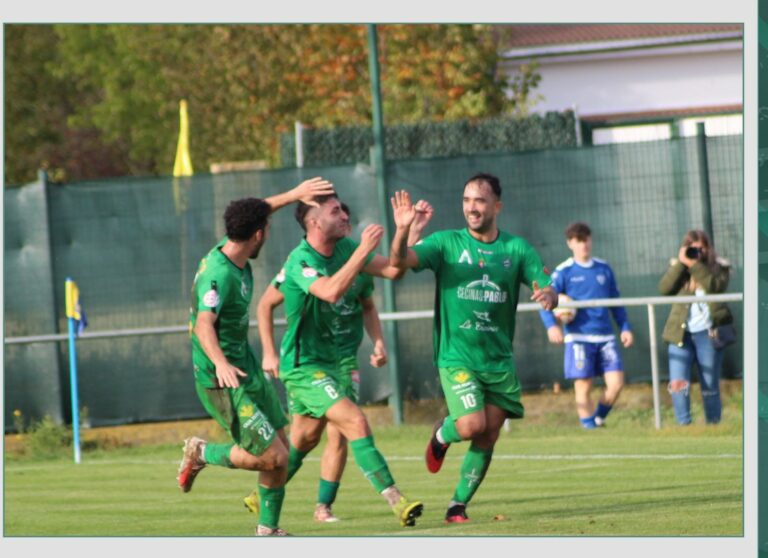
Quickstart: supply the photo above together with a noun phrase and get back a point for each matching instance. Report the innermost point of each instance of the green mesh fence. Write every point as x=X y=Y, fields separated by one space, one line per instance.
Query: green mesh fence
x=133 y=246
x=351 y=144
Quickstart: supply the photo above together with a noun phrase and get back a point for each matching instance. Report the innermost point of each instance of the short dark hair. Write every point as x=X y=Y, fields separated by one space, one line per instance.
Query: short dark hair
x=491 y=180
x=345 y=209
x=578 y=230
x=302 y=208
x=245 y=216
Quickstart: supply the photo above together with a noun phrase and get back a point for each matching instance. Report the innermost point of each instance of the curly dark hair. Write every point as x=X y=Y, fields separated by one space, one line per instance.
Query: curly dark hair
x=302 y=208
x=245 y=216
x=490 y=180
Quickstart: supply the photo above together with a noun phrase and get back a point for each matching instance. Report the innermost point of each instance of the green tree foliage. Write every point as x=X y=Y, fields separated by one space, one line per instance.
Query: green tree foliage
x=119 y=86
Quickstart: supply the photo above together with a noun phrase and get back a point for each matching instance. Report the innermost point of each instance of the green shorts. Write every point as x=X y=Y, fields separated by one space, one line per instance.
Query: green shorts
x=349 y=378
x=251 y=414
x=311 y=390
x=467 y=391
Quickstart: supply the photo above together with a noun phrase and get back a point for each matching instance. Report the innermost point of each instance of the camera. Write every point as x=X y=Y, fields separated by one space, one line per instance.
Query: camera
x=693 y=253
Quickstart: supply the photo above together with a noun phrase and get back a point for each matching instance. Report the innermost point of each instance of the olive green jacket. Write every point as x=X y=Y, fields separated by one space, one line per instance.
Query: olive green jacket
x=673 y=283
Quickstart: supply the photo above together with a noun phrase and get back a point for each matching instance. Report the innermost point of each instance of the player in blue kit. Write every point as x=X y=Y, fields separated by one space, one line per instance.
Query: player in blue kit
x=590 y=343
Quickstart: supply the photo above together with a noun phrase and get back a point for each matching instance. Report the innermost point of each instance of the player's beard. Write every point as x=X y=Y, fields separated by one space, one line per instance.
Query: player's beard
x=483 y=225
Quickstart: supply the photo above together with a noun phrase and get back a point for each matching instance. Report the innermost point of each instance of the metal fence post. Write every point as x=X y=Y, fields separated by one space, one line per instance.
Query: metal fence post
x=654 y=365
x=706 y=201
x=378 y=160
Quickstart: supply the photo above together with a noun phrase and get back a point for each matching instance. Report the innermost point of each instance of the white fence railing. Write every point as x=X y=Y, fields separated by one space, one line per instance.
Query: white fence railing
x=649 y=302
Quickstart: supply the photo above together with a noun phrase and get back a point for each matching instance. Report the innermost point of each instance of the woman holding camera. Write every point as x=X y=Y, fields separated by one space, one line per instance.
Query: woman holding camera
x=691 y=328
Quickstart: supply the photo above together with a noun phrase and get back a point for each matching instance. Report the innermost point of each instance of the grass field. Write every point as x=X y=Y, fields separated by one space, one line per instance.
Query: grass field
x=547 y=479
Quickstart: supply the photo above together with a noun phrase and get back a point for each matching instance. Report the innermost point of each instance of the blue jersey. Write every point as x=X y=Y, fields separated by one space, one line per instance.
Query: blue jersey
x=586 y=282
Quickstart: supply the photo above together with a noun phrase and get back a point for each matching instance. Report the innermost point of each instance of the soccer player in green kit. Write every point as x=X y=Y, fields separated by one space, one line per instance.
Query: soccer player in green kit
x=228 y=379
x=478 y=271
x=356 y=314
x=318 y=272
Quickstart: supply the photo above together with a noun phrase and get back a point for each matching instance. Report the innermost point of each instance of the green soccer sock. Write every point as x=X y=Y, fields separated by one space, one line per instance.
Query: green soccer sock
x=372 y=463
x=448 y=431
x=218 y=454
x=473 y=470
x=326 y=494
x=271 y=504
x=295 y=459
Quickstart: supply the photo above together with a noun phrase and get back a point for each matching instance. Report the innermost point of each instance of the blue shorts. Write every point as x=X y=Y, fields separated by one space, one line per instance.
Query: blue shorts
x=587 y=360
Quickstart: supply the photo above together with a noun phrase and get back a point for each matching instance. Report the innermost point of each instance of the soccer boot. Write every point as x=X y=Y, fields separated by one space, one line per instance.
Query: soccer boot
x=323 y=514
x=263 y=531
x=436 y=451
x=251 y=502
x=457 y=513
x=192 y=463
x=407 y=511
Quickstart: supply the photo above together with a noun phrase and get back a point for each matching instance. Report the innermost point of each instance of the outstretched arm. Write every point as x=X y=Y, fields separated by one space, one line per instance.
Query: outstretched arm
x=265 y=312
x=304 y=192
x=404 y=214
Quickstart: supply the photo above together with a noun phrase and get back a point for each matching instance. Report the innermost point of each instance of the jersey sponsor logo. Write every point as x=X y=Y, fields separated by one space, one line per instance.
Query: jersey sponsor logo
x=487 y=252
x=243 y=289
x=245 y=411
x=211 y=299
x=465 y=257
x=309 y=272
x=601 y=279
x=482 y=316
x=577 y=279
x=483 y=290
x=508 y=263
x=319 y=375
x=466 y=325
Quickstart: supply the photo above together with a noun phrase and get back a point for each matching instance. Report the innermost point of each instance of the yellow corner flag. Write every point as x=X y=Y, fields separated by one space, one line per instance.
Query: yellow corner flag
x=183 y=164
x=72 y=303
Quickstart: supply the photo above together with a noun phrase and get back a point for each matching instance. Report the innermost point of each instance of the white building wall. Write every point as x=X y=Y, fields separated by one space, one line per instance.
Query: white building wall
x=640 y=82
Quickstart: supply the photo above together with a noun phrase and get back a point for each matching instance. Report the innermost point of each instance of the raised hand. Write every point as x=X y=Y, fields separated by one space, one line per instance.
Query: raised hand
x=424 y=212
x=546 y=296
x=307 y=190
x=403 y=210
x=371 y=237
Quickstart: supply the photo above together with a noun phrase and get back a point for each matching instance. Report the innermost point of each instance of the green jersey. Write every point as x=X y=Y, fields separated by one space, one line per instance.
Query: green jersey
x=226 y=290
x=349 y=322
x=311 y=335
x=477 y=289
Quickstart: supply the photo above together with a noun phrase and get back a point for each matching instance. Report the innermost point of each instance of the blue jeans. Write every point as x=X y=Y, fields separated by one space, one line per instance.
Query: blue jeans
x=697 y=347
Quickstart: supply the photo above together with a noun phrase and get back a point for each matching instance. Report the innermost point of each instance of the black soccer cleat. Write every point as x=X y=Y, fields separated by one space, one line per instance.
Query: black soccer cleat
x=457 y=513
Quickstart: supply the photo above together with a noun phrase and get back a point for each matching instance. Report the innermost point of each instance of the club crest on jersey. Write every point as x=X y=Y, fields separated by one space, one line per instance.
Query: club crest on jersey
x=465 y=257
x=481 y=262
x=601 y=279
x=245 y=411
x=211 y=298
x=507 y=263
x=461 y=377
x=243 y=289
